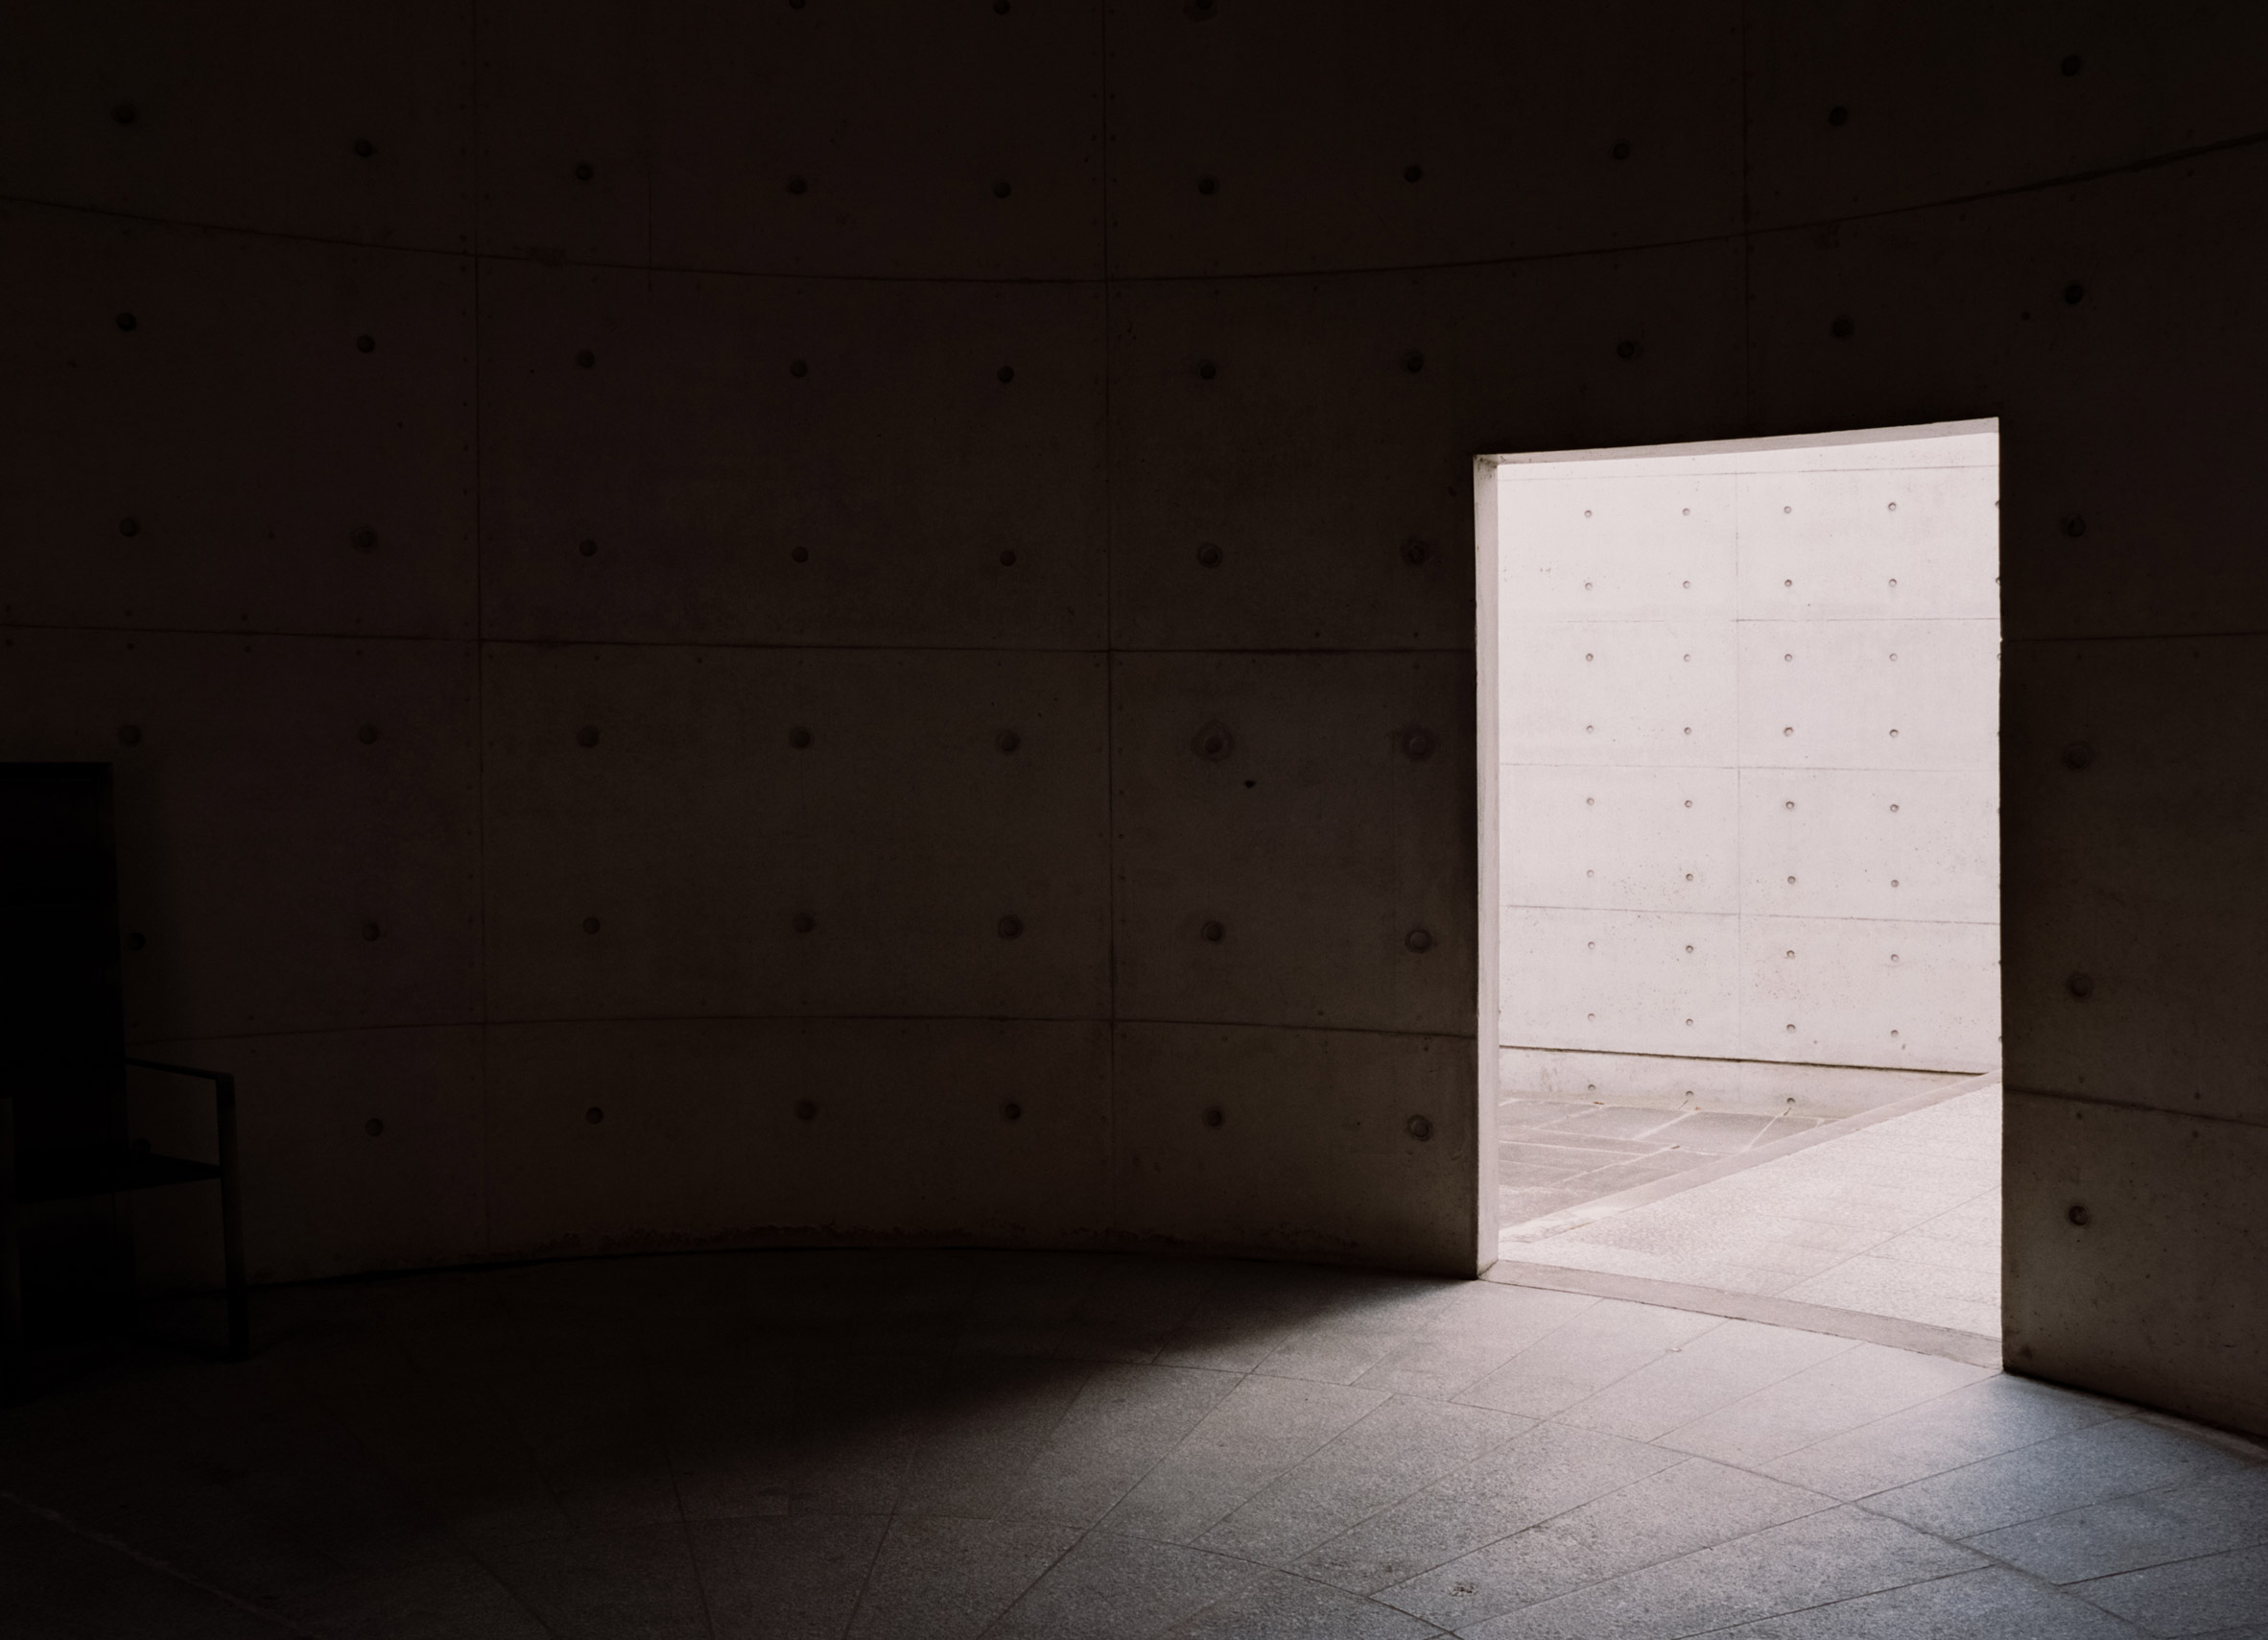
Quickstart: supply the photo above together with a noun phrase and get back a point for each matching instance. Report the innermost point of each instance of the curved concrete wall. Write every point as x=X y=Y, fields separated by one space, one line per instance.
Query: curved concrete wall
x=730 y=293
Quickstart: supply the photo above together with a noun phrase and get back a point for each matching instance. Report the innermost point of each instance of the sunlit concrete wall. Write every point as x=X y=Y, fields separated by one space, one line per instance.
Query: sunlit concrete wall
x=1431 y=232
x=1748 y=765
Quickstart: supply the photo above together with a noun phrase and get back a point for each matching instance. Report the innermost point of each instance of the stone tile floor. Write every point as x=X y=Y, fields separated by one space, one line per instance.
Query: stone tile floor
x=954 y=1446
x=1899 y=1218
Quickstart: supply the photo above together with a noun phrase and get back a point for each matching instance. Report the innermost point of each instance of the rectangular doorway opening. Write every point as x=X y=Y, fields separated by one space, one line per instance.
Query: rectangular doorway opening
x=1740 y=853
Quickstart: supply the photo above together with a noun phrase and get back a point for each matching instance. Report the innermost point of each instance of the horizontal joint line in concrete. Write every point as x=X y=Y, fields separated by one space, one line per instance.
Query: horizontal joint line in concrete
x=2139 y=637
x=1746 y=234
x=467 y=640
x=310 y=635
x=1321 y=1029
x=2135 y=1105
x=965 y=649
x=162 y=1039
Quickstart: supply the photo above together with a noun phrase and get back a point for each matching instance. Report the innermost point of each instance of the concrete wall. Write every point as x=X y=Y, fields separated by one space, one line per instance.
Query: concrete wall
x=2075 y=253
x=1749 y=761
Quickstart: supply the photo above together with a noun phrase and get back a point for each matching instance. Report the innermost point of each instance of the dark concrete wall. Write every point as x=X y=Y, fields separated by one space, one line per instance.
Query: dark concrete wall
x=363 y=834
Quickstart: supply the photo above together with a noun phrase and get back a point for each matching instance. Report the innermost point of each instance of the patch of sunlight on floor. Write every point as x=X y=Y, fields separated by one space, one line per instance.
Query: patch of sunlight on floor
x=1899 y=1218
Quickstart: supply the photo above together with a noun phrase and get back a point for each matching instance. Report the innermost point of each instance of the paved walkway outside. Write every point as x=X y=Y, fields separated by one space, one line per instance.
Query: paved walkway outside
x=1900 y=1218
x=1553 y=1153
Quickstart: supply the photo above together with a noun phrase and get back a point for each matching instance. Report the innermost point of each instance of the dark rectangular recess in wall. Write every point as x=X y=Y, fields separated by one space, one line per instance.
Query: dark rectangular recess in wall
x=61 y=1024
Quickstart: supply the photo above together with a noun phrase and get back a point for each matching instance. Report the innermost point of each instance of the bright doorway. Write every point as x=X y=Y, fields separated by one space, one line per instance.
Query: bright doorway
x=1741 y=765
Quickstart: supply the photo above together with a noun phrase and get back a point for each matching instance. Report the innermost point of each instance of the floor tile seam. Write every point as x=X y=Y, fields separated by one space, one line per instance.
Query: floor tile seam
x=1497 y=1364
x=1826 y=1604
x=2250 y=1448
x=1267 y=1570
x=1779 y=1613
x=1995 y=1562
x=1714 y=1323
x=1260 y=1569
x=897 y=1513
x=1548 y=1332
x=1845 y=1346
x=2073 y=1584
x=2078 y=1585
x=693 y=1561
x=1080 y=1535
x=1425 y=1485
x=1272 y=1478
x=1867 y=1503
x=1592 y=1302
x=881 y=1541
x=2112 y=1414
x=1675 y=1459
x=1826 y=1504
x=1351 y=1327
x=1303 y=1334
x=1914 y=1406
x=669 y=1457
x=166 y=1569
x=1197 y=1545
x=450 y=1528
x=1754 y=1468
x=1165 y=1457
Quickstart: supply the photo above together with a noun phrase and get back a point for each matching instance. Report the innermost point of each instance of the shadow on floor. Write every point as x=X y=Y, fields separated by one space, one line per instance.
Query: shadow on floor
x=952 y=1445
